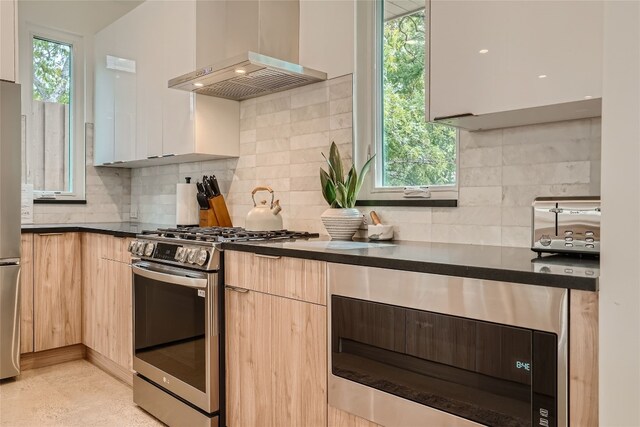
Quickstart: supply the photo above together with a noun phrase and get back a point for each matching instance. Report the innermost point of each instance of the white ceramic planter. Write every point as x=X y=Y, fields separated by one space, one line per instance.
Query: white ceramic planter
x=341 y=224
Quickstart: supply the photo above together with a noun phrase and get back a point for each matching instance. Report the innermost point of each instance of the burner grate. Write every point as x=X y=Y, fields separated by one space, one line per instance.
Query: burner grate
x=227 y=234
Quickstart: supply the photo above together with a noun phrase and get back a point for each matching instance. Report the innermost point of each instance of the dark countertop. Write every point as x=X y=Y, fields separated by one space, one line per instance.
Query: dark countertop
x=118 y=229
x=517 y=265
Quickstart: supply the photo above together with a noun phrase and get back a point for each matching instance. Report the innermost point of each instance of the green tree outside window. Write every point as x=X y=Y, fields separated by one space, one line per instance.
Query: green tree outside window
x=415 y=152
x=51 y=71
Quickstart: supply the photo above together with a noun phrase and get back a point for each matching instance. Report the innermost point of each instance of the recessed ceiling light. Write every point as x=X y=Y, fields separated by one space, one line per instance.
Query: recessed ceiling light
x=588 y=97
x=542 y=76
x=240 y=71
x=483 y=51
x=198 y=84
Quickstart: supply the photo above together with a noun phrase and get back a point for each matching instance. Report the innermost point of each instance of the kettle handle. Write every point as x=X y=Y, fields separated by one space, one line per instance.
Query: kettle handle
x=261 y=188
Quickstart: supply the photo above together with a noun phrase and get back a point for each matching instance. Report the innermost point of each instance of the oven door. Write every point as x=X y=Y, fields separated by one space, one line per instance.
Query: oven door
x=175 y=331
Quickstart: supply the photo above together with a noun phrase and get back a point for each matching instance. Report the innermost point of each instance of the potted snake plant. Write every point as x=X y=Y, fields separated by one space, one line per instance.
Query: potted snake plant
x=340 y=190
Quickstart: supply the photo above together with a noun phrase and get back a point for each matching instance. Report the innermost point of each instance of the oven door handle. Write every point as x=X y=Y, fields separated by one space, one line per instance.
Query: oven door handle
x=189 y=282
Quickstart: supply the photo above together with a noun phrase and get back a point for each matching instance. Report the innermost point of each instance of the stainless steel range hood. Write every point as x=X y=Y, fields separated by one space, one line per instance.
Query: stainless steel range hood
x=253 y=46
x=247 y=76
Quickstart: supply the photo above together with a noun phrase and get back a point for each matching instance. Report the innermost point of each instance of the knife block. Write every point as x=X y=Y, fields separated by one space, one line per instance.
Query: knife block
x=217 y=215
x=208 y=217
x=220 y=208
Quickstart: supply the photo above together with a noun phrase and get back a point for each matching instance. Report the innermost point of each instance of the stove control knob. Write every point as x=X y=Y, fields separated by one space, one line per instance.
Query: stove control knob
x=181 y=254
x=203 y=256
x=139 y=248
x=148 y=249
x=132 y=246
x=193 y=254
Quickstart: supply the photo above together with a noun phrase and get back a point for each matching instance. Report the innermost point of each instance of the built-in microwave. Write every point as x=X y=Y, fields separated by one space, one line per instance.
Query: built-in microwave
x=409 y=349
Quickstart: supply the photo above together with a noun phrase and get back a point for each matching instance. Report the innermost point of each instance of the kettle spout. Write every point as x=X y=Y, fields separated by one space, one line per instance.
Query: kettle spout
x=276 y=210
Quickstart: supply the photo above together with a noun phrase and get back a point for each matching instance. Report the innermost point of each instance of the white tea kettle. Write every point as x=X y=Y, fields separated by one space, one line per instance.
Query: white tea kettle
x=263 y=217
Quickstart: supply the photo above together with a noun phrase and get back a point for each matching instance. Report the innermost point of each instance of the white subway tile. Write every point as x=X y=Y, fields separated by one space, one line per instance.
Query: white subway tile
x=516 y=237
x=480 y=196
x=549 y=173
x=481 y=177
x=310 y=97
x=481 y=157
x=310 y=112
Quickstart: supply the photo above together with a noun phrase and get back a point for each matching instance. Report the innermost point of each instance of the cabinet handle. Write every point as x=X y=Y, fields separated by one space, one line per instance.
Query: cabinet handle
x=267 y=256
x=168 y=155
x=236 y=289
x=152 y=157
x=107 y=163
x=50 y=234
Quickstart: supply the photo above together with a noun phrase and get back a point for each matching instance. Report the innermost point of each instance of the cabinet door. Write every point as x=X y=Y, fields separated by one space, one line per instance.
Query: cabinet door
x=179 y=49
x=120 y=324
x=104 y=99
x=152 y=85
x=57 y=290
x=94 y=247
x=299 y=363
x=524 y=40
x=7 y=40
x=26 y=294
x=276 y=361
x=248 y=353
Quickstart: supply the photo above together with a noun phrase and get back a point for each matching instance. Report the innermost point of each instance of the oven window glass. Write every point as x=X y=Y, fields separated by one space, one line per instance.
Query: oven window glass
x=477 y=370
x=170 y=329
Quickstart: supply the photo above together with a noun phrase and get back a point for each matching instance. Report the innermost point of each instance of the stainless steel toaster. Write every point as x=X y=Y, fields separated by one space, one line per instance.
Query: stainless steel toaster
x=566 y=225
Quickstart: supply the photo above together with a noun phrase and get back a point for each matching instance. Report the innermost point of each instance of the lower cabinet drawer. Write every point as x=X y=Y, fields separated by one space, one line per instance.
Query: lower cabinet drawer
x=295 y=278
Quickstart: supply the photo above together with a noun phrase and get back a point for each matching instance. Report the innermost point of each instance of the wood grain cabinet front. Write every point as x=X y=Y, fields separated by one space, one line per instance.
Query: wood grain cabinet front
x=26 y=294
x=106 y=297
x=57 y=290
x=276 y=345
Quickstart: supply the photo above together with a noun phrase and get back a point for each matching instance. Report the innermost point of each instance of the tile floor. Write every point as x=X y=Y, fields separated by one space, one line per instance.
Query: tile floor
x=69 y=394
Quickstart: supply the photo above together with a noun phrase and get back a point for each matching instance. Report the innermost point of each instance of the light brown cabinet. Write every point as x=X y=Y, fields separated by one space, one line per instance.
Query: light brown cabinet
x=106 y=297
x=26 y=294
x=56 y=290
x=276 y=341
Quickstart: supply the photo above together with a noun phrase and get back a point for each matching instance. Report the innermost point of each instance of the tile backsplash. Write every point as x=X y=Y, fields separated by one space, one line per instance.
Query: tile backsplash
x=282 y=137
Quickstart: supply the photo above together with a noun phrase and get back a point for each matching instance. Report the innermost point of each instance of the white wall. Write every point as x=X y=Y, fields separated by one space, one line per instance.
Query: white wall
x=327 y=36
x=620 y=261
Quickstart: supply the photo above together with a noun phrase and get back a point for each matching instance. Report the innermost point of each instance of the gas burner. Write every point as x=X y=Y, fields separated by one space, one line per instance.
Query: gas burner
x=225 y=234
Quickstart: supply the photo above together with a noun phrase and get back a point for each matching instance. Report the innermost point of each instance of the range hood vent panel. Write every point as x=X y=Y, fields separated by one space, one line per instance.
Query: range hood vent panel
x=247 y=76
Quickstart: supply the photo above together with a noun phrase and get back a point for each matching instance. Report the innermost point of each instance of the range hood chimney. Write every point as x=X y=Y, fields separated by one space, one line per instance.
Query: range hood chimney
x=256 y=51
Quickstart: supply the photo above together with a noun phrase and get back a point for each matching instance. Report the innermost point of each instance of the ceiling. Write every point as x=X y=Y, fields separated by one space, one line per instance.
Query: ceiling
x=393 y=8
x=75 y=16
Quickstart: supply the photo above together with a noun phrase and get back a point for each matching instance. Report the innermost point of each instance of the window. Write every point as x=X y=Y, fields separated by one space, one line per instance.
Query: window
x=392 y=65
x=52 y=70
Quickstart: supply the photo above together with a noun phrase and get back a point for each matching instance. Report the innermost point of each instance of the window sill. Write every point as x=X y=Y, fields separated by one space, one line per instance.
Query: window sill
x=432 y=203
x=58 y=202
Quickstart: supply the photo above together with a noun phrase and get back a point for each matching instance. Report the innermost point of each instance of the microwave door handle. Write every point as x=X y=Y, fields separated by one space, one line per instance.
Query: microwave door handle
x=189 y=282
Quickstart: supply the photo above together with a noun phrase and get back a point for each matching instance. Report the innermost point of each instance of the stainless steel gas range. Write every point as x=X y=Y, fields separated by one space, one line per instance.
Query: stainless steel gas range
x=178 y=321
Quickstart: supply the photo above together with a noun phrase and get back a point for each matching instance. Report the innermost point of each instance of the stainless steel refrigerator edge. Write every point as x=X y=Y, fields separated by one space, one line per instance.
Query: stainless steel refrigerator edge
x=10 y=190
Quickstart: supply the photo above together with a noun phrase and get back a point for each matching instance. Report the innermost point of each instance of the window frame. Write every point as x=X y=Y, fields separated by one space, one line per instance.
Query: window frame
x=77 y=111
x=368 y=104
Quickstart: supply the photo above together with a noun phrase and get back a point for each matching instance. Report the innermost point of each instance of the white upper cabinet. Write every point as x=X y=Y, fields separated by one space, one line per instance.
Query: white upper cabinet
x=491 y=57
x=138 y=118
x=178 y=113
x=8 y=40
